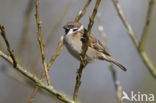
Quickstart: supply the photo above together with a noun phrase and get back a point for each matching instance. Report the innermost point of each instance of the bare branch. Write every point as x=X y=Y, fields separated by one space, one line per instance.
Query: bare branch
x=113 y=71
x=147 y=25
x=83 y=54
x=58 y=50
x=101 y=30
x=147 y=61
x=36 y=80
x=125 y=22
x=116 y=84
x=83 y=11
x=25 y=29
x=3 y=33
x=41 y=42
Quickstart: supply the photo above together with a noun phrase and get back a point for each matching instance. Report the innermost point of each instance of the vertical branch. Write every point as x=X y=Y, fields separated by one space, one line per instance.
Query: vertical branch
x=54 y=31
x=58 y=50
x=25 y=28
x=83 y=11
x=147 y=25
x=146 y=59
x=125 y=22
x=3 y=33
x=85 y=47
x=116 y=82
x=117 y=85
x=41 y=42
x=101 y=30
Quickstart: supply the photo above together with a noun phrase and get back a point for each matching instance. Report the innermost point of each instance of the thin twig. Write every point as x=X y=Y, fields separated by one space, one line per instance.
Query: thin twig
x=36 y=80
x=58 y=50
x=53 y=32
x=25 y=29
x=101 y=30
x=57 y=25
x=11 y=52
x=117 y=85
x=147 y=25
x=83 y=54
x=125 y=22
x=147 y=61
x=116 y=82
x=83 y=11
x=41 y=42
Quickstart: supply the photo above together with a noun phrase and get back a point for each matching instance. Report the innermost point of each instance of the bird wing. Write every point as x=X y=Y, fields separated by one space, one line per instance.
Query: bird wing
x=94 y=43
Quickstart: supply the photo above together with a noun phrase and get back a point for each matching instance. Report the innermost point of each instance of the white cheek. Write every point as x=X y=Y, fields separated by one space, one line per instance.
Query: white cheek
x=81 y=28
x=70 y=32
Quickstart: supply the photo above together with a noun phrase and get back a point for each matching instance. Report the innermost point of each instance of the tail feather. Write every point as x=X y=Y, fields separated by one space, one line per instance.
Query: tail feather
x=119 y=65
x=110 y=59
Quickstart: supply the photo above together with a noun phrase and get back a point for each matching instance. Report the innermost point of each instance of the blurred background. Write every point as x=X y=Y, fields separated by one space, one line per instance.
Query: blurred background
x=97 y=84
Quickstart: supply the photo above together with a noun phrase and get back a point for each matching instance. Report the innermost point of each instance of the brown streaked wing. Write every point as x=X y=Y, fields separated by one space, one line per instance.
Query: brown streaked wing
x=94 y=43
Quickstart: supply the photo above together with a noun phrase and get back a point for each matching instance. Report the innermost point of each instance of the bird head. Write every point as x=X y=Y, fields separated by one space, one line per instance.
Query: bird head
x=72 y=27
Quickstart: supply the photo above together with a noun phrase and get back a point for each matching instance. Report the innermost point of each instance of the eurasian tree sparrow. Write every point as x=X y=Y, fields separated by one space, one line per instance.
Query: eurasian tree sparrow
x=75 y=37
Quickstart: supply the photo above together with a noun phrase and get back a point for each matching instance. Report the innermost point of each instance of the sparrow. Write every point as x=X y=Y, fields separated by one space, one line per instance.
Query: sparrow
x=74 y=39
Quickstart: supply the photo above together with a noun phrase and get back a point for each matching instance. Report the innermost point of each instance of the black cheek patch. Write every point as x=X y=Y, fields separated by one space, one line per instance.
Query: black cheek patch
x=66 y=31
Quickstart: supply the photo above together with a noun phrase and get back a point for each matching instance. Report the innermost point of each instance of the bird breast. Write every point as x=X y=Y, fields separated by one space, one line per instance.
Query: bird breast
x=73 y=45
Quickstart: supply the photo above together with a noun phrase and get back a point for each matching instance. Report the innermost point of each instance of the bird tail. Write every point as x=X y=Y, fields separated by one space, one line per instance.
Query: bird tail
x=110 y=59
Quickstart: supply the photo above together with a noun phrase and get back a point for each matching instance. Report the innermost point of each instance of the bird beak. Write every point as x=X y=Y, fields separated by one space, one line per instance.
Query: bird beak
x=66 y=27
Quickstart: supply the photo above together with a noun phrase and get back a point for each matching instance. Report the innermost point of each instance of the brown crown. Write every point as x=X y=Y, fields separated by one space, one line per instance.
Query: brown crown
x=76 y=24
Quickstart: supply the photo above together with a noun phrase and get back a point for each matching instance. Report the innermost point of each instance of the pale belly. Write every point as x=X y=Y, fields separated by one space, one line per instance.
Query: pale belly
x=73 y=48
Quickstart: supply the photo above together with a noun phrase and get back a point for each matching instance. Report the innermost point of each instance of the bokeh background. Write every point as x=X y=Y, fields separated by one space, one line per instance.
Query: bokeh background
x=97 y=84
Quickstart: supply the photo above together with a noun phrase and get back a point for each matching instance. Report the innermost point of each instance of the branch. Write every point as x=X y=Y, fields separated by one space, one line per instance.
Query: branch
x=101 y=30
x=58 y=50
x=3 y=33
x=117 y=85
x=12 y=60
x=116 y=82
x=36 y=80
x=25 y=28
x=125 y=22
x=85 y=47
x=83 y=11
x=41 y=42
x=147 y=61
x=147 y=25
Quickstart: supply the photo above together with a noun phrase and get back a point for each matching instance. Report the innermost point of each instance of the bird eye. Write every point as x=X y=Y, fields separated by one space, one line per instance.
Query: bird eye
x=74 y=29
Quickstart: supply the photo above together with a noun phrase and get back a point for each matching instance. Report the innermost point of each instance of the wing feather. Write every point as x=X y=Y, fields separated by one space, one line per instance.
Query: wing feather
x=94 y=43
